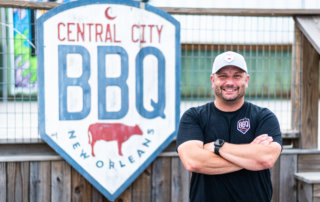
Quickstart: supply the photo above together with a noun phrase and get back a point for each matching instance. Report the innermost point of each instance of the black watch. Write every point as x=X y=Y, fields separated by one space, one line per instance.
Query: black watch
x=217 y=144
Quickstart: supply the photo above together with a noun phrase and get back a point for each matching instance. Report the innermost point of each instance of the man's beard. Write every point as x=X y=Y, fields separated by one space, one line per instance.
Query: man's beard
x=227 y=99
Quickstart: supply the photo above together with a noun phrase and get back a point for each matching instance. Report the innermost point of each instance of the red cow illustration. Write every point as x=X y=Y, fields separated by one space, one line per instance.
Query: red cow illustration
x=111 y=131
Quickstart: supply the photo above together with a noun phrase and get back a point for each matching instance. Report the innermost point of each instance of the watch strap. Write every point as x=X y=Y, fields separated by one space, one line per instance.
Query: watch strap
x=216 y=150
x=217 y=145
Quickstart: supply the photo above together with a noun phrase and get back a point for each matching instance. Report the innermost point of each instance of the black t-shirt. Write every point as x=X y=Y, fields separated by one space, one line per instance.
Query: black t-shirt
x=207 y=123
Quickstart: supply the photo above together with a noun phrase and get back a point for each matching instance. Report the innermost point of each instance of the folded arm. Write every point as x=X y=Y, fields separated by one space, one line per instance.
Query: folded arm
x=260 y=154
x=197 y=159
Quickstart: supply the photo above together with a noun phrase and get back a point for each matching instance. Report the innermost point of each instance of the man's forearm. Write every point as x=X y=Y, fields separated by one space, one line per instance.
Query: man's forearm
x=251 y=156
x=197 y=159
x=212 y=164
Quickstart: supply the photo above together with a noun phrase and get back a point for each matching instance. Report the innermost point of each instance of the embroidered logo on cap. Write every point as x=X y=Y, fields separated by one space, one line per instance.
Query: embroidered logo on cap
x=243 y=125
x=229 y=57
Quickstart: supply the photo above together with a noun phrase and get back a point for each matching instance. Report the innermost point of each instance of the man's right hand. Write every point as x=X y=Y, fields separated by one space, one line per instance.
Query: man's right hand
x=263 y=139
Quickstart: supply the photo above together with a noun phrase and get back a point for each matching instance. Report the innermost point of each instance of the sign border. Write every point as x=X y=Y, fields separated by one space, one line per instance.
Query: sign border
x=41 y=90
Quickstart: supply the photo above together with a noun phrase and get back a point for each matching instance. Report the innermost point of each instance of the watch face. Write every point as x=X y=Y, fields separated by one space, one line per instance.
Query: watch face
x=218 y=142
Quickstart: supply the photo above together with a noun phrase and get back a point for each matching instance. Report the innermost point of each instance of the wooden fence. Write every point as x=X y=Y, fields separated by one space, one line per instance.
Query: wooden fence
x=45 y=177
x=164 y=180
x=285 y=185
x=28 y=176
x=33 y=172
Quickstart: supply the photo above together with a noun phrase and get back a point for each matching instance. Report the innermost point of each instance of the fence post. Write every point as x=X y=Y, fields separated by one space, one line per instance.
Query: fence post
x=310 y=96
x=295 y=84
x=310 y=49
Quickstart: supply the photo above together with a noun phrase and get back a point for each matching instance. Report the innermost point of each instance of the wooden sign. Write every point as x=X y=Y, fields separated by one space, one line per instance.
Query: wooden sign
x=109 y=96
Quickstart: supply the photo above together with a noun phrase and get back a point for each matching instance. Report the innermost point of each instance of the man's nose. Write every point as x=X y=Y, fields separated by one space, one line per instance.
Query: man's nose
x=229 y=80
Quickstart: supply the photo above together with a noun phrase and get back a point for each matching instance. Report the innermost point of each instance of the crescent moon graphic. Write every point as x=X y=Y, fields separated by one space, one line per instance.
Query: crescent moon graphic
x=107 y=14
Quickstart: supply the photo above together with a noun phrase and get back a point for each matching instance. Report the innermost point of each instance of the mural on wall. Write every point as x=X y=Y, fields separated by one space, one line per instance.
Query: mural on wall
x=25 y=59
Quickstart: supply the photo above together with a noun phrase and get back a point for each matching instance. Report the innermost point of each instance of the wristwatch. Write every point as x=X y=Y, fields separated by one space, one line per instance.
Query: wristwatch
x=217 y=145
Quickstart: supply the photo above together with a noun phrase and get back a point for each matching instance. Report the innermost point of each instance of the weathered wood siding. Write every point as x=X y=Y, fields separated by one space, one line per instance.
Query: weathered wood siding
x=285 y=186
x=164 y=180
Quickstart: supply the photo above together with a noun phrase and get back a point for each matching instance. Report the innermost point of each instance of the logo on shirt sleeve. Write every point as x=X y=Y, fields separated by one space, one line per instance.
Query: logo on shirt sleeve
x=243 y=125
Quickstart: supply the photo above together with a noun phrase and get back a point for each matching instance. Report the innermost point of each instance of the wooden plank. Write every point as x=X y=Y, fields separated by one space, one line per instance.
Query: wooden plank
x=310 y=81
x=141 y=188
x=291 y=134
x=308 y=177
x=40 y=181
x=28 y=4
x=20 y=158
x=96 y=196
x=304 y=192
x=27 y=152
x=60 y=181
x=180 y=11
x=240 y=12
x=11 y=182
x=316 y=192
x=300 y=151
x=275 y=176
x=125 y=196
x=309 y=162
x=310 y=27
x=3 y=182
x=310 y=96
x=296 y=82
x=18 y=181
x=80 y=187
x=161 y=179
x=179 y=181
x=287 y=183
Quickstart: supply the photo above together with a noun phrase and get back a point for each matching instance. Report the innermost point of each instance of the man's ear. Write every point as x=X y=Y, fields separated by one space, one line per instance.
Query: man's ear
x=212 y=79
x=247 y=80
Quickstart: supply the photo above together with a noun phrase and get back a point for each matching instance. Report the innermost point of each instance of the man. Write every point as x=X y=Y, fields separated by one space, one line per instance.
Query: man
x=229 y=144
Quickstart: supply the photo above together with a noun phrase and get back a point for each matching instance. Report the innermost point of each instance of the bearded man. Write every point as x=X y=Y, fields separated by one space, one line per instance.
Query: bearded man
x=229 y=144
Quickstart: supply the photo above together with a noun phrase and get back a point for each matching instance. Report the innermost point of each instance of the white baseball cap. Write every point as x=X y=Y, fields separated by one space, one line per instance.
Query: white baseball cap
x=229 y=58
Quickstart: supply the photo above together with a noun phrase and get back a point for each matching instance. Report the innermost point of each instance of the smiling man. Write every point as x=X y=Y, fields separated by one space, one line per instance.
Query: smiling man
x=229 y=144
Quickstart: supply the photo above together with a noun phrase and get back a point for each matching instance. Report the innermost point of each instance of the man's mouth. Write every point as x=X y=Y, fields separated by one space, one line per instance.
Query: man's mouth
x=230 y=90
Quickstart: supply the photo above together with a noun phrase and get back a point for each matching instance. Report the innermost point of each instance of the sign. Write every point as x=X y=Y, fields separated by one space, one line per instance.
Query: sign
x=109 y=96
